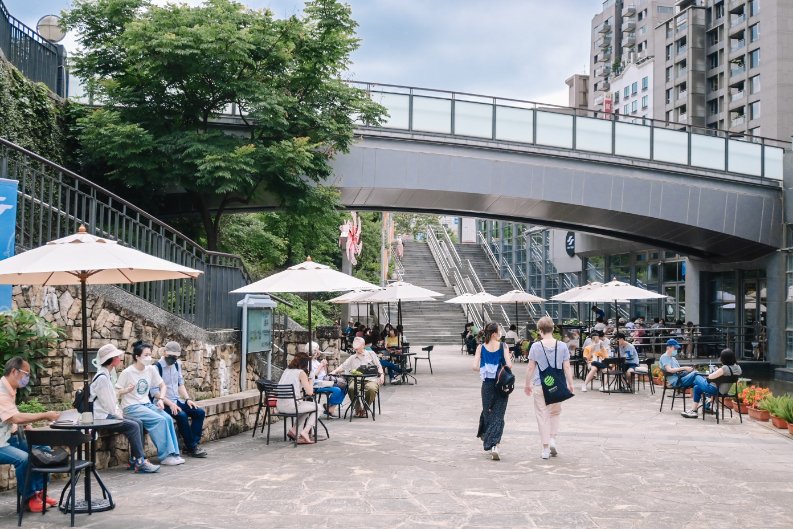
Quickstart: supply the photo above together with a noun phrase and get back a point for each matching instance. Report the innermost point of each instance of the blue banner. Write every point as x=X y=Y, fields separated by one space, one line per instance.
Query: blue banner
x=8 y=226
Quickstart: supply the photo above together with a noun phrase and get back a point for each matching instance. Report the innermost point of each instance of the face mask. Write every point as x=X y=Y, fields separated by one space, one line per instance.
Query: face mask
x=674 y=352
x=24 y=381
x=170 y=360
x=145 y=360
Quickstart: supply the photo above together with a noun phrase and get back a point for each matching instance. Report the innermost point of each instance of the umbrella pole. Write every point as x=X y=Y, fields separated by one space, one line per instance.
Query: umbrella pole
x=309 y=324
x=517 y=323
x=87 y=416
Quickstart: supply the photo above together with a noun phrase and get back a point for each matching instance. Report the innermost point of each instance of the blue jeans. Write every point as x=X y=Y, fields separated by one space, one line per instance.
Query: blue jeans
x=393 y=369
x=133 y=431
x=16 y=453
x=190 y=422
x=335 y=397
x=159 y=425
x=703 y=387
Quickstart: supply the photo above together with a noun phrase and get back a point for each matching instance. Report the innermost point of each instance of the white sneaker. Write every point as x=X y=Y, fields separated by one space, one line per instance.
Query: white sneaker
x=494 y=454
x=172 y=461
x=552 y=448
x=603 y=389
x=583 y=388
x=546 y=453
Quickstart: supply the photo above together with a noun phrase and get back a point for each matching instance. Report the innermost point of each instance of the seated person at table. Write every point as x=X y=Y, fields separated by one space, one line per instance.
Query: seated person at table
x=392 y=340
x=105 y=400
x=13 y=448
x=322 y=382
x=348 y=329
x=387 y=327
x=512 y=338
x=676 y=376
x=394 y=370
x=628 y=352
x=362 y=357
x=703 y=383
x=470 y=338
x=296 y=375
x=133 y=385
x=595 y=353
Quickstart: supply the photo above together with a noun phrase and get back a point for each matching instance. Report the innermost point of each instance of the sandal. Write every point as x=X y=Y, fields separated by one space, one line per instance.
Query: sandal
x=290 y=435
x=304 y=441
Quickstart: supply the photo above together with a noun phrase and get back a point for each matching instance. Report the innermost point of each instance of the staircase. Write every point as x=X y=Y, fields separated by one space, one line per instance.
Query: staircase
x=428 y=322
x=490 y=279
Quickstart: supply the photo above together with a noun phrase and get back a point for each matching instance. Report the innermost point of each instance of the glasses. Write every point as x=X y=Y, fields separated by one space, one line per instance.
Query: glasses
x=25 y=372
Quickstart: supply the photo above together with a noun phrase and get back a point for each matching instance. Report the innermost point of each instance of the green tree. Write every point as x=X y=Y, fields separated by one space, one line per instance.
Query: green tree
x=415 y=224
x=165 y=72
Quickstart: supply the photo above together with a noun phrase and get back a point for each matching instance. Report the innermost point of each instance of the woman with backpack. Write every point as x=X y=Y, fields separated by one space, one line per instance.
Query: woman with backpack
x=545 y=354
x=490 y=356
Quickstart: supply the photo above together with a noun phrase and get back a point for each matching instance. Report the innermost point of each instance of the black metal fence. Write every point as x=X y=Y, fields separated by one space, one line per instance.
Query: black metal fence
x=53 y=202
x=38 y=59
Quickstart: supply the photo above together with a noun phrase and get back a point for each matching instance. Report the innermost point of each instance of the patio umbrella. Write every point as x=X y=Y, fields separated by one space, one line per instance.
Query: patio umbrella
x=306 y=278
x=462 y=299
x=87 y=259
x=518 y=296
x=354 y=297
x=400 y=291
x=480 y=298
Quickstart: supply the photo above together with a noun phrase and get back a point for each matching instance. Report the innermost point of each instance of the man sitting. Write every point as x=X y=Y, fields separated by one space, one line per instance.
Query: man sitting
x=362 y=357
x=189 y=418
x=676 y=376
x=595 y=352
x=13 y=448
x=628 y=352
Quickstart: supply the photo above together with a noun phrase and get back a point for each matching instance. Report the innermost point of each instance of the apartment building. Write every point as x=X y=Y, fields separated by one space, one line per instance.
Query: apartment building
x=727 y=64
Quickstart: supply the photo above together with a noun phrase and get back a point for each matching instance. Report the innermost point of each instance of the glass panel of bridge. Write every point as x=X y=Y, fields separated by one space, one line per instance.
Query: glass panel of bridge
x=707 y=151
x=555 y=130
x=593 y=135
x=773 y=162
x=744 y=157
x=514 y=124
x=432 y=114
x=670 y=146
x=473 y=119
x=398 y=107
x=632 y=140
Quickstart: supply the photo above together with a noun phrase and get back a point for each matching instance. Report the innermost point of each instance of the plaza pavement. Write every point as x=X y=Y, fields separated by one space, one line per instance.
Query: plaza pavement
x=621 y=464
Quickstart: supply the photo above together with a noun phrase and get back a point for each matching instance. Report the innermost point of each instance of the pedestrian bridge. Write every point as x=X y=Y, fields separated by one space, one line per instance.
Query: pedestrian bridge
x=698 y=191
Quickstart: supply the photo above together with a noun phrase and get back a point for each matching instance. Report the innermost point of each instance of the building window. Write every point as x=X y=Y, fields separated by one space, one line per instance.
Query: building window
x=754 y=110
x=627 y=92
x=713 y=107
x=645 y=100
x=718 y=11
x=754 y=32
x=642 y=30
x=669 y=96
x=634 y=106
x=668 y=74
x=754 y=7
x=754 y=59
x=713 y=60
x=754 y=84
x=616 y=97
x=645 y=83
x=635 y=88
x=669 y=52
x=625 y=109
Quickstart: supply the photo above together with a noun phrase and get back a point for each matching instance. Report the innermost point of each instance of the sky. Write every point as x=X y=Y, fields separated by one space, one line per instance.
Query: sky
x=523 y=49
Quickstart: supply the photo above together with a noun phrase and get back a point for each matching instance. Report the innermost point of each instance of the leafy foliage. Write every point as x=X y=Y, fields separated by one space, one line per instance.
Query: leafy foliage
x=322 y=313
x=164 y=72
x=415 y=224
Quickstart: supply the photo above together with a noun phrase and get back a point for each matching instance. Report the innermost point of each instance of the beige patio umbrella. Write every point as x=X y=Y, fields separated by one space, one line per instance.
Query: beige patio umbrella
x=400 y=291
x=86 y=259
x=518 y=296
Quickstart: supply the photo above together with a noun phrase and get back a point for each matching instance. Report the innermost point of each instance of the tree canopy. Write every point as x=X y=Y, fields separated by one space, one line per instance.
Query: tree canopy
x=163 y=72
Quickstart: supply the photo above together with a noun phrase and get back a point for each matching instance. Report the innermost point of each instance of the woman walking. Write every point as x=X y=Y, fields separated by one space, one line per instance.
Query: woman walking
x=489 y=357
x=548 y=349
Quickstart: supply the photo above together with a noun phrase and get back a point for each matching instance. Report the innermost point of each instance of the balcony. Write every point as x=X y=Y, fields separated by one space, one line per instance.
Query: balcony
x=736 y=45
x=736 y=6
x=606 y=55
x=629 y=41
x=603 y=42
x=682 y=95
x=738 y=121
x=738 y=96
x=628 y=10
x=603 y=86
x=628 y=26
x=737 y=21
x=605 y=27
x=603 y=71
x=682 y=118
x=736 y=71
x=599 y=101
x=681 y=73
x=681 y=50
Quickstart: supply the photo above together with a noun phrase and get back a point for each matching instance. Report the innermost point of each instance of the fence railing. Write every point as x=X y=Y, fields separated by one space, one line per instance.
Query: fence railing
x=38 y=59
x=53 y=202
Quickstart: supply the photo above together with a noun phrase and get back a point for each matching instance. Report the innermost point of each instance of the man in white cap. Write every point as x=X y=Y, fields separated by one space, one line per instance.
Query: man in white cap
x=189 y=418
x=105 y=401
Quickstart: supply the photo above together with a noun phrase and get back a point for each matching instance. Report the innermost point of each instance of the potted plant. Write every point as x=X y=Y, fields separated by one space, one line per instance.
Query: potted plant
x=658 y=375
x=752 y=397
x=786 y=412
x=774 y=406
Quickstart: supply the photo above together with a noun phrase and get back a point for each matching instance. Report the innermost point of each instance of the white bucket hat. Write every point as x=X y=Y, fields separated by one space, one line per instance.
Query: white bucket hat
x=108 y=351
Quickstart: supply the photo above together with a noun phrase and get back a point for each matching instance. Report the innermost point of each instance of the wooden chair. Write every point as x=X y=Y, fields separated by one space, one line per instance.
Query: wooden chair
x=72 y=440
x=416 y=358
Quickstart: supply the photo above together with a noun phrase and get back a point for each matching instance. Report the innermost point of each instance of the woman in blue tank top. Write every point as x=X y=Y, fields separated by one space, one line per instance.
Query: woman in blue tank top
x=488 y=358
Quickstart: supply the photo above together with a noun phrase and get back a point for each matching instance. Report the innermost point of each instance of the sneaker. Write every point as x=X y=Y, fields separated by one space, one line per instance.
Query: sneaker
x=131 y=463
x=583 y=388
x=552 y=448
x=196 y=452
x=51 y=502
x=603 y=389
x=690 y=414
x=145 y=467
x=546 y=453
x=172 y=461
x=494 y=454
x=393 y=380
x=35 y=504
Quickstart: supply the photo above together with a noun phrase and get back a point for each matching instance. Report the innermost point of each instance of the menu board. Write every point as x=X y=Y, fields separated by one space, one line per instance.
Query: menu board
x=260 y=330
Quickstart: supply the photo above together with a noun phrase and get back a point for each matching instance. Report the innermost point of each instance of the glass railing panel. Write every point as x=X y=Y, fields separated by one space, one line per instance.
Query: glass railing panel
x=398 y=107
x=744 y=157
x=432 y=114
x=593 y=135
x=555 y=130
x=632 y=140
x=514 y=124
x=707 y=152
x=670 y=146
x=774 y=159
x=473 y=119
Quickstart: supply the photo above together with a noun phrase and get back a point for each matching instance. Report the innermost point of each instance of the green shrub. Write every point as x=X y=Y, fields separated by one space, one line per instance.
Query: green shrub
x=31 y=406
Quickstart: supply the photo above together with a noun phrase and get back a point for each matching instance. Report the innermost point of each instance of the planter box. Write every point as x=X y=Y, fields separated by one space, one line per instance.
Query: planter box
x=779 y=422
x=759 y=415
x=790 y=427
x=744 y=409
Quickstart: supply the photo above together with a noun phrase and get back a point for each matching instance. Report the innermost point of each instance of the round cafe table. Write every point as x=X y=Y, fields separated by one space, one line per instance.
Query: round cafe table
x=105 y=503
x=359 y=394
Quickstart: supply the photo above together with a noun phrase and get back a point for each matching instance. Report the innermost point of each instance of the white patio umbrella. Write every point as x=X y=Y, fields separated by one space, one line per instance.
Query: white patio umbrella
x=479 y=298
x=354 y=298
x=462 y=299
x=400 y=291
x=518 y=296
x=306 y=278
x=87 y=259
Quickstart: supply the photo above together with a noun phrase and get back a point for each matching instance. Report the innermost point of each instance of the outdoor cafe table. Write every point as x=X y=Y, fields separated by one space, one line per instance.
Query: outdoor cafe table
x=614 y=370
x=358 y=394
x=106 y=502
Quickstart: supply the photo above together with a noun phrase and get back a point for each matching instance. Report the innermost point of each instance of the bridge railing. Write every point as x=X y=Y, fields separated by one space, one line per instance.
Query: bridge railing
x=38 y=59
x=578 y=129
x=53 y=202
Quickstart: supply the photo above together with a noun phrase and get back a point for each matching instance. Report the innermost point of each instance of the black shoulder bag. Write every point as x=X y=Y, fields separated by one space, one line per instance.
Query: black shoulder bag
x=505 y=379
x=553 y=380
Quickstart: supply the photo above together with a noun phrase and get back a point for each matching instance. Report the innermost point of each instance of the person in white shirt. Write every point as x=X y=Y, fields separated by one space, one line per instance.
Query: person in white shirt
x=105 y=400
x=133 y=385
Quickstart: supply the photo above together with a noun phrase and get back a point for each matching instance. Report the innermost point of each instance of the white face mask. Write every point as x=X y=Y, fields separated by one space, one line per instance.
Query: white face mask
x=145 y=360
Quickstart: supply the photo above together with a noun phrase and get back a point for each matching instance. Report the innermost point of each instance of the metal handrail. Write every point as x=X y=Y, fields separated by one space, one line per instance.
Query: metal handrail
x=53 y=202
x=502 y=265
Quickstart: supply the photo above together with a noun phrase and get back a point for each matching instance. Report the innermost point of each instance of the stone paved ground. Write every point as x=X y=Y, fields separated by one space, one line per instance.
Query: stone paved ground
x=622 y=464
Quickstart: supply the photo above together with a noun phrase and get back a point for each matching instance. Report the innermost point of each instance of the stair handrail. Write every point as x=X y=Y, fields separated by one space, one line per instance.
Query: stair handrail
x=54 y=201
x=531 y=310
x=480 y=288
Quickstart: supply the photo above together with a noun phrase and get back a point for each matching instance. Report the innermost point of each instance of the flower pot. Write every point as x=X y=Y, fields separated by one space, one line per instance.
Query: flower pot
x=779 y=422
x=658 y=381
x=759 y=415
x=743 y=408
x=790 y=427
x=730 y=403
